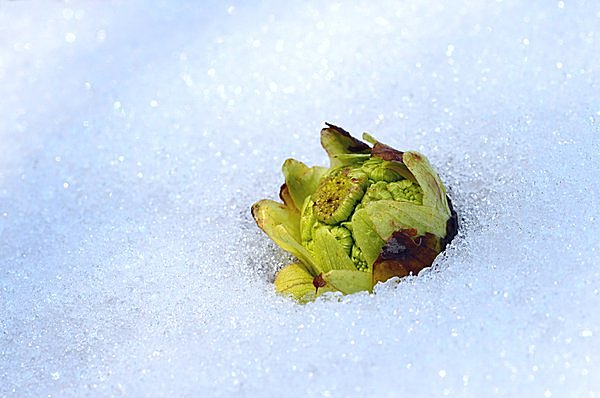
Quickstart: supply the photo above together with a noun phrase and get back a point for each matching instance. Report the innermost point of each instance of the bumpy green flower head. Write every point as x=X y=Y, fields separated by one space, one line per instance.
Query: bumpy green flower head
x=374 y=214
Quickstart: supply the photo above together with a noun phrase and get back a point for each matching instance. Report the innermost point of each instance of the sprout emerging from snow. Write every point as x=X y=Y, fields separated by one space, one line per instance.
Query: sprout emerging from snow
x=374 y=214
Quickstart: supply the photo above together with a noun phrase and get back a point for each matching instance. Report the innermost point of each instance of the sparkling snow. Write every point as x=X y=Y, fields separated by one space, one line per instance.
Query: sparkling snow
x=135 y=136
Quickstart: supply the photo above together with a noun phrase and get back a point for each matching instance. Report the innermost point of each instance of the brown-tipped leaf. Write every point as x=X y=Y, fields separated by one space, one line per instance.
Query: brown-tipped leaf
x=337 y=141
x=301 y=180
x=386 y=152
x=405 y=253
x=286 y=198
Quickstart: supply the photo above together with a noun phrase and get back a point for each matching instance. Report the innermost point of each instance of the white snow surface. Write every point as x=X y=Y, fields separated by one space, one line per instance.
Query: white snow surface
x=135 y=136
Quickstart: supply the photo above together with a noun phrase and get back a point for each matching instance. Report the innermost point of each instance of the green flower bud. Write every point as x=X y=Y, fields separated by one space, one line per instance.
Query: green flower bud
x=374 y=214
x=337 y=195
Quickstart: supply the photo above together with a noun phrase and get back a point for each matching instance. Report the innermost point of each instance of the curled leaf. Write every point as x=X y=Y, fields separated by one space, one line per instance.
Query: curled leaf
x=295 y=280
x=301 y=181
x=434 y=193
x=283 y=227
x=338 y=144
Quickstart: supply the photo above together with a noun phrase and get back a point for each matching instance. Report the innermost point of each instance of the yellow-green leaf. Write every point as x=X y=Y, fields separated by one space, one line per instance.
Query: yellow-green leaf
x=434 y=193
x=366 y=236
x=296 y=281
x=329 y=253
x=389 y=216
x=349 y=281
x=301 y=180
x=337 y=141
x=283 y=227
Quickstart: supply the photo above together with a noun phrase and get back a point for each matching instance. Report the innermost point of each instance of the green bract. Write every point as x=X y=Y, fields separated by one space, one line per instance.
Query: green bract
x=374 y=214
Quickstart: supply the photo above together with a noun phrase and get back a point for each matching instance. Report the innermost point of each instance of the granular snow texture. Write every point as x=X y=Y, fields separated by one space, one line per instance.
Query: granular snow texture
x=135 y=136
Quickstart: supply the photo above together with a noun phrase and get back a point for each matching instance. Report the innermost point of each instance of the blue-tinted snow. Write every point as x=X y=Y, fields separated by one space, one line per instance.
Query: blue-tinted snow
x=135 y=136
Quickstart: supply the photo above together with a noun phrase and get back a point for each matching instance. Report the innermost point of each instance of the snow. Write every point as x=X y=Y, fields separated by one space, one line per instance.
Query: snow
x=134 y=138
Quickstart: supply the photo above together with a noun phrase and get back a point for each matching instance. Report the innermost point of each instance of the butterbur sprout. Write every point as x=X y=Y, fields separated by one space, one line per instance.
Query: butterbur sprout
x=374 y=214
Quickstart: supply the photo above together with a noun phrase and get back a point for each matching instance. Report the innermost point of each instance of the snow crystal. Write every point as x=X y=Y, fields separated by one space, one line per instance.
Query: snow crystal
x=134 y=138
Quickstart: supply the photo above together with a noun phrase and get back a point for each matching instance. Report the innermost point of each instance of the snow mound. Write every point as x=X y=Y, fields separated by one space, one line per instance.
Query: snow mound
x=135 y=137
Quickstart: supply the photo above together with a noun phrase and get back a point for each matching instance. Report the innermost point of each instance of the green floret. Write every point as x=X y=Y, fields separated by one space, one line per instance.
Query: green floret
x=377 y=191
x=402 y=191
x=407 y=191
x=358 y=259
x=344 y=238
x=380 y=170
x=337 y=195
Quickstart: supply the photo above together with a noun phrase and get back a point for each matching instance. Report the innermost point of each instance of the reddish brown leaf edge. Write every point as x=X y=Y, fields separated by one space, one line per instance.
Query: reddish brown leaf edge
x=405 y=253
